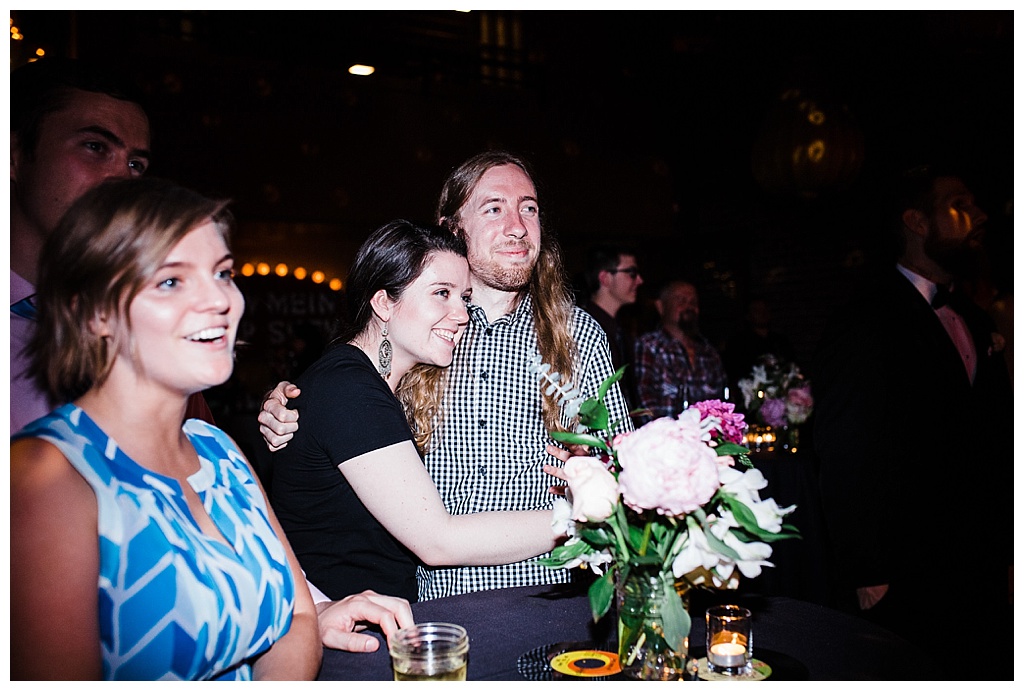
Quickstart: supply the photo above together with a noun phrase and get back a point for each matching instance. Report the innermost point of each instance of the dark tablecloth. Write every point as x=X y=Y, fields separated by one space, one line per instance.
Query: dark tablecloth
x=512 y=629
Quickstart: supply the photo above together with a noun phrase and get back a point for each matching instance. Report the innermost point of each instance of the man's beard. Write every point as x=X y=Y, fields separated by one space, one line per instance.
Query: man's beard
x=493 y=275
x=689 y=323
x=961 y=259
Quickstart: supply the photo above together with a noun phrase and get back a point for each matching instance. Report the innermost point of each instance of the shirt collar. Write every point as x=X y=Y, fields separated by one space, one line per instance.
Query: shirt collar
x=926 y=288
x=525 y=307
x=20 y=288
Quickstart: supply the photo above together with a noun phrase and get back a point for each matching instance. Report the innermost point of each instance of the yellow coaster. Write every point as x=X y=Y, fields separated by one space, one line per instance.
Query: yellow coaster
x=586 y=663
x=760 y=672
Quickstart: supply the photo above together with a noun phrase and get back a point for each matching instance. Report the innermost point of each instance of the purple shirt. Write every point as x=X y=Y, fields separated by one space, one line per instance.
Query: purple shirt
x=28 y=401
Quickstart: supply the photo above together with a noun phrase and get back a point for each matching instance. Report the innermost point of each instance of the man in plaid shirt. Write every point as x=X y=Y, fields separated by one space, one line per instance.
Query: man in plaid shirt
x=489 y=452
x=676 y=365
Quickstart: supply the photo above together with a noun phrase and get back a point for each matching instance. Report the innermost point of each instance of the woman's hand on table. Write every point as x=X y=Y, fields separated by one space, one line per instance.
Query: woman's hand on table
x=342 y=620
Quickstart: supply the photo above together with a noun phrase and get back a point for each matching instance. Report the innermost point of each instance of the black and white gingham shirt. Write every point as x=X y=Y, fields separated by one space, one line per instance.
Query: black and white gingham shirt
x=489 y=453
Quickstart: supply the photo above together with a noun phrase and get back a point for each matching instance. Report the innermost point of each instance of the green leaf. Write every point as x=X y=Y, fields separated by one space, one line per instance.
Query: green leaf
x=580 y=439
x=563 y=554
x=620 y=527
x=740 y=453
x=741 y=512
x=635 y=537
x=594 y=414
x=598 y=536
x=730 y=449
x=607 y=383
x=748 y=521
x=675 y=618
x=600 y=594
x=713 y=542
x=653 y=559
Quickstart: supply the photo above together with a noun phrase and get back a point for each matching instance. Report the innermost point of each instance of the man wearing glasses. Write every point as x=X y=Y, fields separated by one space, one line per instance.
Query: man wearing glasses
x=612 y=278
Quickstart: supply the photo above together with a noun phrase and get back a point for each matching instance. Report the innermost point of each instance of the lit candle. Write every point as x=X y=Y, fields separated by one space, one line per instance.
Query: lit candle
x=728 y=650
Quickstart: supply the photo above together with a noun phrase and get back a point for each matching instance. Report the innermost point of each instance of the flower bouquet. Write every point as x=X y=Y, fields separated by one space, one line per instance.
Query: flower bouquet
x=776 y=395
x=667 y=507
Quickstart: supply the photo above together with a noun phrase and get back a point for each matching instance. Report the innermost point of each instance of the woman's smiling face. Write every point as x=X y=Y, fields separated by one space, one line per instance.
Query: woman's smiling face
x=185 y=318
x=429 y=318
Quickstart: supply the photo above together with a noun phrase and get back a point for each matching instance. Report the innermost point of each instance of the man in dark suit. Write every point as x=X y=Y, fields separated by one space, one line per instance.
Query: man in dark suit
x=913 y=430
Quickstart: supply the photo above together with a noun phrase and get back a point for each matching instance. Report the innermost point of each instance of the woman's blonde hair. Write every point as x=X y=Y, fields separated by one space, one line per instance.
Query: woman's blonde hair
x=548 y=287
x=110 y=242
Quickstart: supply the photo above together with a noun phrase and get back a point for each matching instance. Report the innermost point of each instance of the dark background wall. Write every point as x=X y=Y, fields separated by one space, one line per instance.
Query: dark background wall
x=746 y=150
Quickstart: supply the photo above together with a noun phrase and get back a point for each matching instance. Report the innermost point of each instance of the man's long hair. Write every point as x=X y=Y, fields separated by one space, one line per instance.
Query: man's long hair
x=548 y=286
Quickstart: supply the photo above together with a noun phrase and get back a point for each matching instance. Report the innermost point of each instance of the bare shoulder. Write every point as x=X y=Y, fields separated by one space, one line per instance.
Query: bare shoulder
x=41 y=474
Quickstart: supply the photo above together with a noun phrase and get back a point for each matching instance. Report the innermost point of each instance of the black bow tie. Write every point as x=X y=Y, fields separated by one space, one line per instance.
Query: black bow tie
x=945 y=296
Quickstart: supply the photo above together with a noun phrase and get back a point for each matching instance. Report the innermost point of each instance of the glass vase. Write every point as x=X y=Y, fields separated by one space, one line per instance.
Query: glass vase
x=653 y=637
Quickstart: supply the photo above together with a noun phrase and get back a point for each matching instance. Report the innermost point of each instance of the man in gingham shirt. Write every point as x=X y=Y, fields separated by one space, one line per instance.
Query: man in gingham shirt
x=490 y=450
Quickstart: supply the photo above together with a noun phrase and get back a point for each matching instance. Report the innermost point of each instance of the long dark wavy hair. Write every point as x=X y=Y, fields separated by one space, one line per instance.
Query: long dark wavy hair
x=390 y=260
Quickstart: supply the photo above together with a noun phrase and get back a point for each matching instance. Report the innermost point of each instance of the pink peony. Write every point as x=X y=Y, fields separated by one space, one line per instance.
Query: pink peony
x=799 y=404
x=773 y=411
x=594 y=490
x=664 y=470
x=801 y=396
x=733 y=424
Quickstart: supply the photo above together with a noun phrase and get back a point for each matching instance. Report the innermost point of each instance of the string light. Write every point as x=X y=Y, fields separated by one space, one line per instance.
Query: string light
x=282 y=270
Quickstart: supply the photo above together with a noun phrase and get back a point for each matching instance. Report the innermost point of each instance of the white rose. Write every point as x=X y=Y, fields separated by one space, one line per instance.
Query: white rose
x=594 y=490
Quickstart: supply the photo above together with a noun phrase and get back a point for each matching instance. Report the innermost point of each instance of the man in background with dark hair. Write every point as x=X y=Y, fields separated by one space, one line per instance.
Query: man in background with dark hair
x=72 y=127
x=612 y=278
x=913 y=430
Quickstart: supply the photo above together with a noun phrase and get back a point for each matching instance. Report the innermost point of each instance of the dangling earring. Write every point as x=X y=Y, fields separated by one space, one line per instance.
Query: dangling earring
x=384 y=354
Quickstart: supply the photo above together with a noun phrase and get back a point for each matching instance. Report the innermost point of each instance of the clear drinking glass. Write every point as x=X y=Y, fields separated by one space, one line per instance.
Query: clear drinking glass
x=432 y=651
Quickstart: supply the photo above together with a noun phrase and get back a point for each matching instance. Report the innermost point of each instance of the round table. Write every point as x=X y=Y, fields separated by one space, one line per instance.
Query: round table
x=511 y=629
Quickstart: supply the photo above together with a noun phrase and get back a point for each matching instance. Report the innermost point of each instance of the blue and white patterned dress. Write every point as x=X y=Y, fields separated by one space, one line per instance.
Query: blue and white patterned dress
x=173 y=602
